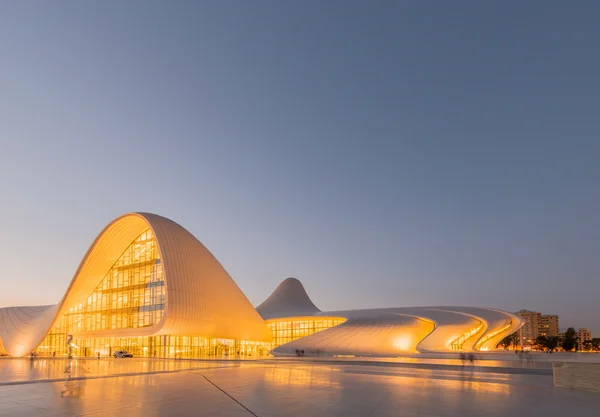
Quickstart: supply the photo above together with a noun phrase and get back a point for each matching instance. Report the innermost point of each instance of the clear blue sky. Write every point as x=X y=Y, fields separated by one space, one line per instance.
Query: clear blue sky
x=385 y=153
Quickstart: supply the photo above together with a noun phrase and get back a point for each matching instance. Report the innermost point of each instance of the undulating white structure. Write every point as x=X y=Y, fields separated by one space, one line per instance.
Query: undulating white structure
x=143 y=278
x=149 y=286
x=384 y=331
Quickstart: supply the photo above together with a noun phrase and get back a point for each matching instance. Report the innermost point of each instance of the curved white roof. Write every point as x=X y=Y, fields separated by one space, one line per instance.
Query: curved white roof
x=462 y=328
x=375 y=335
x=202 y=299
x=288 y=299
x=22 y=328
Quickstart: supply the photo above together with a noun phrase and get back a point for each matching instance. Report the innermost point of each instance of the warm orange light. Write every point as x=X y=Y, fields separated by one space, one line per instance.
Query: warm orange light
x=403 y=342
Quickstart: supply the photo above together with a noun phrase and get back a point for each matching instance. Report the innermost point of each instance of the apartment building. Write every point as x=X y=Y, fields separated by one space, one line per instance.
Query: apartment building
x=548 y=325
x=583 y=334
x=530 y=330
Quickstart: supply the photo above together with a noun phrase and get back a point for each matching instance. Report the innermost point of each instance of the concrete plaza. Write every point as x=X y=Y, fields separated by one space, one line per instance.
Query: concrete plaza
x=288 y=388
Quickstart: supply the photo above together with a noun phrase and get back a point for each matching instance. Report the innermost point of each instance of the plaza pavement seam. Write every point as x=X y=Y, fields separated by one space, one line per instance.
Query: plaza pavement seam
x=226 y=393
x=80 y=378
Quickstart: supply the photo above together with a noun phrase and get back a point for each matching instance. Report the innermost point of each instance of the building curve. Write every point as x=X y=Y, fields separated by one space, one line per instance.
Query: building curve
x=383 y=331
x=147 y=285
x=288 y=299
x=201 y=297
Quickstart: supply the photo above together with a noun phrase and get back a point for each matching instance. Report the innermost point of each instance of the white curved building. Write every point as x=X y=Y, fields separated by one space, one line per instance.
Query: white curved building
x=149 y=286
x=297 y=324
x=145 y=284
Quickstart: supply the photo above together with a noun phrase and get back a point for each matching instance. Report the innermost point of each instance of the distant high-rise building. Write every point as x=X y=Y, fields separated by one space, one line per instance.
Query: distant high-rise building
x=530 y=330
x=548 y=325
x=583 y=334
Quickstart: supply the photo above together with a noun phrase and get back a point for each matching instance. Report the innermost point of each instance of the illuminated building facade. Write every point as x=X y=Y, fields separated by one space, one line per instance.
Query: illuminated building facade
x=537 y=324
x=548 y=326
x=381 y=332
x=583 y=335
x=148 y=286
x=531 y=326
x=287 y=330
x=145 y=285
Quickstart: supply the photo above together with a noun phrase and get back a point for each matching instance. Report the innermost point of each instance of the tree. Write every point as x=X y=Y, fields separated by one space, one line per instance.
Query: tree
x=511 y=339
x=541 y=343
x=592 y=345
x=570 y=339
x=588 y=345
x=552 y=343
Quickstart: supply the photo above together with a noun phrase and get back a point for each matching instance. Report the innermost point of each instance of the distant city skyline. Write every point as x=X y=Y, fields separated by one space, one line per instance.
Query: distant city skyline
x=447 y=153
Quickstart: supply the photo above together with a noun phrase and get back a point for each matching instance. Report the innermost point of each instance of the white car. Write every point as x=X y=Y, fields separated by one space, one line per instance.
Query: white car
x=122 y=354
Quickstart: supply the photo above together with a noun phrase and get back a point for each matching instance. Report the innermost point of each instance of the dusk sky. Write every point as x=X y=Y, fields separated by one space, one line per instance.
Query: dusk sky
x=385 y=153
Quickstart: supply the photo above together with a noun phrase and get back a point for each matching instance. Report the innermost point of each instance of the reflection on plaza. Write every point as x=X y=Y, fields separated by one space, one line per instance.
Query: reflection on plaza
x=273 y=387
x=470 y=381
x=76 y=387
x=319 y=375
x=44 y=369
x=334 y=376
x=459 y=379
x=295 y=389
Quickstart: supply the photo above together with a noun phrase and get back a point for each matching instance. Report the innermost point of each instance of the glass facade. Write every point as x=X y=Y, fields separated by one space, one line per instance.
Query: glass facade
x=164 y=346
x=133 y=295
x=286 y=330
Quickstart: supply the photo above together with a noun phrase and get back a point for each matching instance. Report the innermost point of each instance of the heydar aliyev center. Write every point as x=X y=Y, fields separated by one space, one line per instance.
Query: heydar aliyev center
x=148 y=286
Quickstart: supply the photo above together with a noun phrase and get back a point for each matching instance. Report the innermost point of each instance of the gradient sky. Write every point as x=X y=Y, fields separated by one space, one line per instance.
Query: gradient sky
x=385 y=153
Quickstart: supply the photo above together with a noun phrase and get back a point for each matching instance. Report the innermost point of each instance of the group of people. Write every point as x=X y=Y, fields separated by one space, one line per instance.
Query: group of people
x=525 y=355
x=464 y=357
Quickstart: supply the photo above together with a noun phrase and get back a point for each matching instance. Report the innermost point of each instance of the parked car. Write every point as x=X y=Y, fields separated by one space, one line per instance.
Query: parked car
x=122 y=354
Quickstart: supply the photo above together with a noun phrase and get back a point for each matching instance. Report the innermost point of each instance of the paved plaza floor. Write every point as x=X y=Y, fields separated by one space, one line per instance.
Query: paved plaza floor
x=132 y=388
